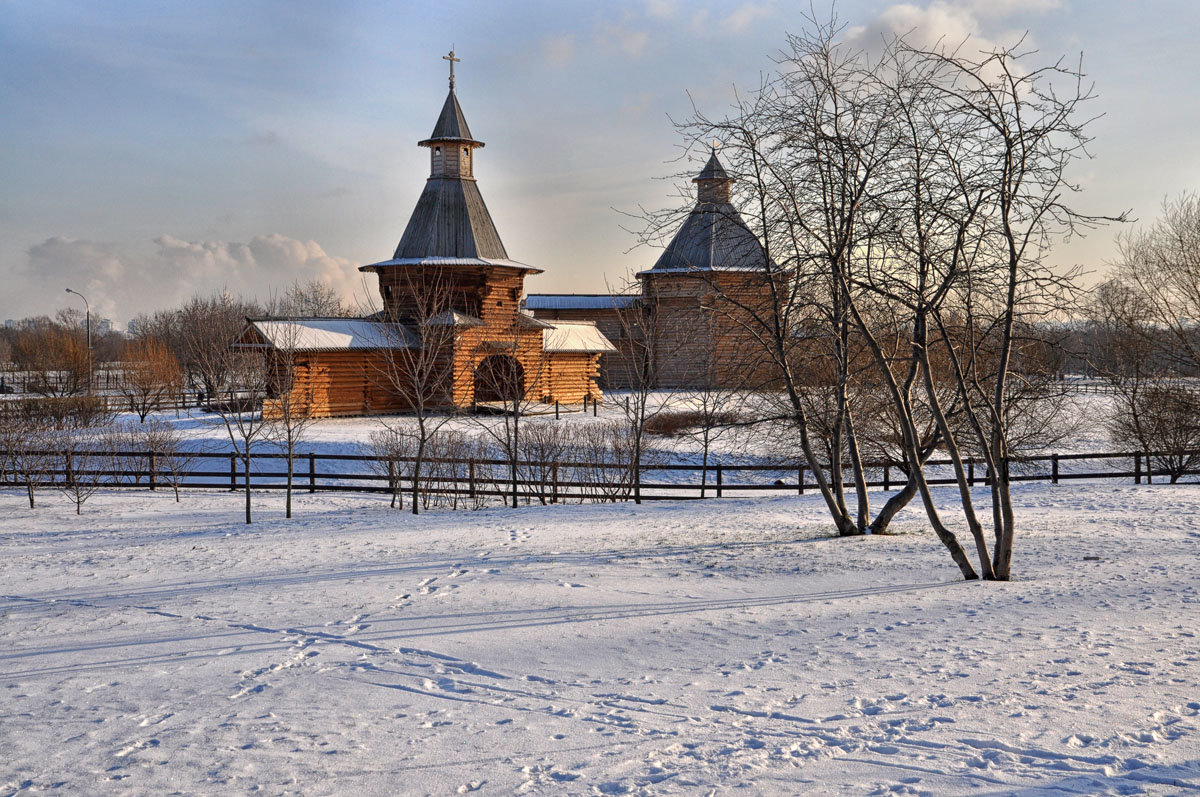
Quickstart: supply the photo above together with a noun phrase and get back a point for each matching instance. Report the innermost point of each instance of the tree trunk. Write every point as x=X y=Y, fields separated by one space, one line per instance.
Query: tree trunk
x=246 y=482
x=290 y=469
x=860 y=478
x=960 y=475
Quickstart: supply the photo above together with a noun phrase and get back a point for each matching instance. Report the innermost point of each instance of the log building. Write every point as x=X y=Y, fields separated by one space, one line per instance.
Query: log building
x=692 y=321
x=452 y=331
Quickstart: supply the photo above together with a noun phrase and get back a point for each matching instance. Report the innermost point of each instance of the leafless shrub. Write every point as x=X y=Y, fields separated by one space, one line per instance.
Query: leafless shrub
x=85 y=457
x=1161 y=417
x=680 y=422
x=25 y=452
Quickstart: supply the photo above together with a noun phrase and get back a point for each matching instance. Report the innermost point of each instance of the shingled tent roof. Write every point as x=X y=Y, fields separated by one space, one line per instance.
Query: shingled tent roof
x=713 y=170
x=713 y=237
x=451 y=124
x=450 y=220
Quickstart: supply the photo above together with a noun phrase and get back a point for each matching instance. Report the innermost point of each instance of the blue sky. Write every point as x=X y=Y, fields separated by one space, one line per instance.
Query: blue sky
x=152 y=150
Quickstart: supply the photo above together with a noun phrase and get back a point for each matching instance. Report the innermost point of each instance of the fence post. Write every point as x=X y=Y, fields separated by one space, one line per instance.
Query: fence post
x=595 y=401
x=233 y=473
x=554 y=483
x=970 y=471
x=312 y=472
x=556 y=409
x=471 y=478
x=887 y=476
x=800 y=481
x=1054 y=468
x=718 y=481
x=1137 y=468
x=1149 y=470
x=152 y=459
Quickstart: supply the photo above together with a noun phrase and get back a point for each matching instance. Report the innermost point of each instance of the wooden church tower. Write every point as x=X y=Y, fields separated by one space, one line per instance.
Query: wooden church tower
x=451 y=268
x=451 y=331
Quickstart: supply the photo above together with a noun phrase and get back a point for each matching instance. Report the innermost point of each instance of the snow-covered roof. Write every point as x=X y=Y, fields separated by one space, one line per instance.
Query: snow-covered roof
x=331 y=334
x=449 y=261
x=581 y=336
x=578 y=301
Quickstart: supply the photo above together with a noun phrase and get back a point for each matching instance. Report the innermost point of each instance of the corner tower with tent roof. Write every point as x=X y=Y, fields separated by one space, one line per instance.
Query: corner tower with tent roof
x=451 y=270
x=697 y=304
x=704 y=291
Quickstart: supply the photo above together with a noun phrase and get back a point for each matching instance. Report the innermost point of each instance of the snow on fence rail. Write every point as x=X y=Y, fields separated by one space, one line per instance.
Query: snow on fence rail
x=543 y=481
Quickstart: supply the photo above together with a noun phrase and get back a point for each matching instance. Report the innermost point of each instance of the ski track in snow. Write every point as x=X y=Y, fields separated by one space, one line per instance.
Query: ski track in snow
x=153 y=647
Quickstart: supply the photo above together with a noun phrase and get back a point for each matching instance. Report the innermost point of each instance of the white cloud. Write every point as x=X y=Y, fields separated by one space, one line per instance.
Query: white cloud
x=558 y=50
x=1005 y=8
x=740 y=18
x=120 y=282
x=632 y=41
x=951 y=24
x=662 y=9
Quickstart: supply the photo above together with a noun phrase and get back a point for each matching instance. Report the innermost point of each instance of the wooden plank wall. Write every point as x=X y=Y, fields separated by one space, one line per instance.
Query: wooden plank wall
x=359 y=383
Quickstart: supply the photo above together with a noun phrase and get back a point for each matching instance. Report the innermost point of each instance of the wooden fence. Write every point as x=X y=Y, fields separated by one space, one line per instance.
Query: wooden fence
x=543 y=482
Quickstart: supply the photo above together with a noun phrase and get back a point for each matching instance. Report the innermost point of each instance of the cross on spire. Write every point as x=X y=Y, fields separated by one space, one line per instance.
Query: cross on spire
x=452 y=61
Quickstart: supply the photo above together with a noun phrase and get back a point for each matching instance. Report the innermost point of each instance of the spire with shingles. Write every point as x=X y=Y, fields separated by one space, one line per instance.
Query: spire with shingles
x=451 y=219
x=714 y=182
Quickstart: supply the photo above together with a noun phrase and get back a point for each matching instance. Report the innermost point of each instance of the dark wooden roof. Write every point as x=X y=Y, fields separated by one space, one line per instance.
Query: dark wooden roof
x=451 y=124
x=713 y=238
x=713 y=170
x=450 y=220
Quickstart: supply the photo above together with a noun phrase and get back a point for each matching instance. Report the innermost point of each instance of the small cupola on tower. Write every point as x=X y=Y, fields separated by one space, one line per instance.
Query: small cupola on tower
x=713 y=181
x=451 y=147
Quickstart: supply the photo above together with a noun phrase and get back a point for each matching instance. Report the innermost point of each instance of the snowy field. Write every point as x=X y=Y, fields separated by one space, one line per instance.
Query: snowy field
x=150 y=647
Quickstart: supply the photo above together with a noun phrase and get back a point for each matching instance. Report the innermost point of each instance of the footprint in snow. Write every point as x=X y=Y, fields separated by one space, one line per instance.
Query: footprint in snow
x=140 y=744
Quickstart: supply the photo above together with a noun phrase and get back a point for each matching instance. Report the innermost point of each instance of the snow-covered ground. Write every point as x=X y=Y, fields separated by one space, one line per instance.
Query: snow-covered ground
x=150 y=647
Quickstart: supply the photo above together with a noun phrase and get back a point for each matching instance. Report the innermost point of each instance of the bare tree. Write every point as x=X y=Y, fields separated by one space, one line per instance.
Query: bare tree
x=417 y=364
x=202 y=331
x=55 y=359
x=150 y=375
x=86 y=457
x=312 y=298
x=169 y=458
x=1159 y=266
x=648 y=345
x=511 y=378
x=1155 y=408
x=288 y=406
x=26 y=449
x=244 y=379
x=914 y=196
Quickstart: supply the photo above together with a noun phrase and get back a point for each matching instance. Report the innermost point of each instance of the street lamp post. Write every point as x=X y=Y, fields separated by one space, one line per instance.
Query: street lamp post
x=88 y=316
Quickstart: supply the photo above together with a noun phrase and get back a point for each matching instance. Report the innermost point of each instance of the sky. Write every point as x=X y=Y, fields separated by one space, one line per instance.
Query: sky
x=153 y=150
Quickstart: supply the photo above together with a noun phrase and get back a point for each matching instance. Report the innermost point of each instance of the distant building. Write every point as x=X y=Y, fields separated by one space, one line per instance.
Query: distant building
x=10 y=323
x=691 y=322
